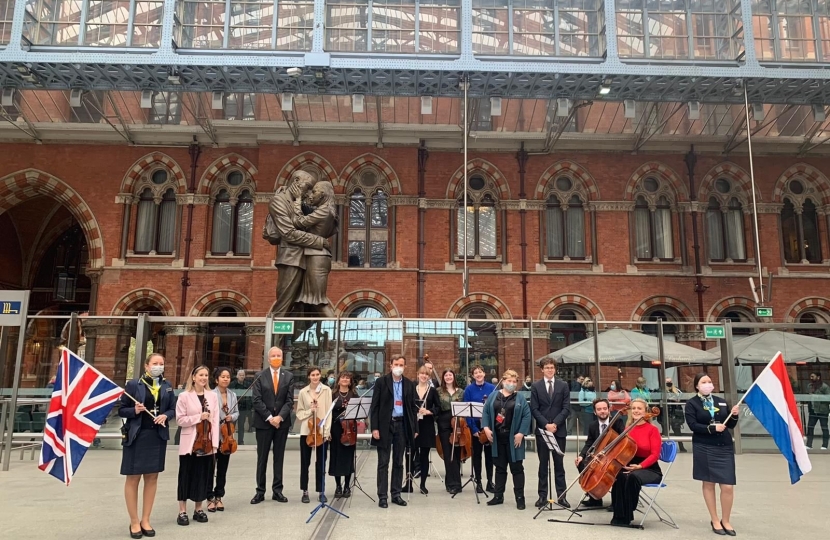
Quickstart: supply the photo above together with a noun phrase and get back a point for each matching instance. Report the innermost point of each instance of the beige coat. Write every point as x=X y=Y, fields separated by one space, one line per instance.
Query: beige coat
x=304 y=411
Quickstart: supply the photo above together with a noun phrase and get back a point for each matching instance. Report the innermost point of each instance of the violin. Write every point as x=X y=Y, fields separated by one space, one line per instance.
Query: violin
x=228 y=444
x=612 y=452
x=315 y=432
x=348 y=437
x=203 y=445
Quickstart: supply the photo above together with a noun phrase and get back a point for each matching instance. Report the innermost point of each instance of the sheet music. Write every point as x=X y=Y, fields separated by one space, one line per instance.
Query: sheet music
x=467 y=409
x=357 y=409
x=550 y=440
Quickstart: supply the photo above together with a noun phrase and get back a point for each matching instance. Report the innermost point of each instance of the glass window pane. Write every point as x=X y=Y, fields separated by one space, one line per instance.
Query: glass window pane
x=393 y=26
x=487 y=231
x=439 y=28
x=642 y=233
x=357 y=254
x=202 y=23
x=812 y=244
x=346 y=25
x=6 y=15
x=222 y=227
x=244 y=226
x=145 y=230
x=470 y=235
x=380 y=210
x=295 y=25
x=147 y=24
x=576 y=232
x=554 y=231
x=736 y=245
x=663 y=234
x=789 y=233
x=167 y=224
x=714 y=230
x=378 y=256
x=357 y=210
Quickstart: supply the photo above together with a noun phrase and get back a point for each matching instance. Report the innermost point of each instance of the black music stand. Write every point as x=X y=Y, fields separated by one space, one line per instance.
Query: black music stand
x=357 y=409
x=549 y=439
x=463 y=410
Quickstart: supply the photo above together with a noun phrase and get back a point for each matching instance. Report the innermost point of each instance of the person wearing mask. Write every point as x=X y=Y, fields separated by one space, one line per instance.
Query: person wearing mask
x=273 y=401
x=550 y=405
x=313 y=403
x=819 y=408
x=448 y=393
x=228 y=414
x=587 y=395
x=675 y=410
x=575 y=387
x=641 y=391
x=597 y=428
x=330 y=379
x=426 y=398
x=393 y=420
x=642 y=469
x=478 y=392
x=144 y=439
x=618 y=397
x=197 y=408
x=506 y=423
x=245 y=422
x=713 y=452
x=361 y=386
x=527 y=385
x=341 y=459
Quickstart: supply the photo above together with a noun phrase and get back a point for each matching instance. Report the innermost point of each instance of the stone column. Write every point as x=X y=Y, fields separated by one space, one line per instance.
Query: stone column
x=108 y=346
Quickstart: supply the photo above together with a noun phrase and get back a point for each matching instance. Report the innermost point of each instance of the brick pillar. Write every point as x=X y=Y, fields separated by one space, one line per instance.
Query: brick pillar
x=108 y=346
x=511 y=350
x=193 y=339
x=254 y=346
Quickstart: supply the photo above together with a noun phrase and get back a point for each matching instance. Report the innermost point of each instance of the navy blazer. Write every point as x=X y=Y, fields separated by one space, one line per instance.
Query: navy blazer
x=551 y=411
x=167 y=407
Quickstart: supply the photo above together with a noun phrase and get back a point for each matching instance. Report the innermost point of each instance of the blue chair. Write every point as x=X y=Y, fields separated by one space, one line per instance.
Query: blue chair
x=668 y=453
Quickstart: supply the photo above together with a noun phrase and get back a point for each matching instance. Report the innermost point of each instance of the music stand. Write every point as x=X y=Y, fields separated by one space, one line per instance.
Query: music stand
x=549 y=439
x=323 y=482
x=357 y=409
x=463 y=410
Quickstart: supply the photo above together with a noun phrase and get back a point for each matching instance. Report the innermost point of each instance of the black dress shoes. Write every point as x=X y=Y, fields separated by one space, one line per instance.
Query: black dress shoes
x=490 y=487
x=496 y=500
x=149 y=533
x=347 y=492
x=338 y=492
x=479 y=488
x=398 y=501
x=279 y=497
x=729 y=532
x=182 y=519
x=138 y=534
x=719 y=532
x=383 y=504
x=592 y=503
x=541 y=502
x=520 y=503
x=258 y=498
x=200 y=516
x=564 y=502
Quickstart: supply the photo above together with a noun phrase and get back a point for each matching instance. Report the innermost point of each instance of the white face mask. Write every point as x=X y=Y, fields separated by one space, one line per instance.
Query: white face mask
x=397 y=371
x=706 y=388
x=156 y=371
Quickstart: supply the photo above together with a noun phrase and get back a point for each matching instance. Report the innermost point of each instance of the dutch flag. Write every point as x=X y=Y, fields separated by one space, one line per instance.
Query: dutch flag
x=772 y=402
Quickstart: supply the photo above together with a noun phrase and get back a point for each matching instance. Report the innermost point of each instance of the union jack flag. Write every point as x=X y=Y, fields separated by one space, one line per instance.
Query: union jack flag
x=81 y=400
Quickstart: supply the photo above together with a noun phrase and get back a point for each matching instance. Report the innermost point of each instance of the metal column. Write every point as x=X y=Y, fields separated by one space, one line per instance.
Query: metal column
x=18 y=367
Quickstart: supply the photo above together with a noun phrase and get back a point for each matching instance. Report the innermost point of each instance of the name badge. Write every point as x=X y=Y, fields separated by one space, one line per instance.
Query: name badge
x=722 y=404
x=398 y=403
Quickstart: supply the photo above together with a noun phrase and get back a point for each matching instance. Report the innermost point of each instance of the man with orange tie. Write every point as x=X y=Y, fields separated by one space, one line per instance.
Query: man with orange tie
x=273 y=398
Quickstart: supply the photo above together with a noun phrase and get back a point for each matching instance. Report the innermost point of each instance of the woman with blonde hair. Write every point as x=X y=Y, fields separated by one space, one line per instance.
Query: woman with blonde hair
x=313 y=402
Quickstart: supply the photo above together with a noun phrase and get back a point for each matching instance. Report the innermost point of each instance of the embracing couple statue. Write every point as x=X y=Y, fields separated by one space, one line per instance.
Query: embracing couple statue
x=301 y=218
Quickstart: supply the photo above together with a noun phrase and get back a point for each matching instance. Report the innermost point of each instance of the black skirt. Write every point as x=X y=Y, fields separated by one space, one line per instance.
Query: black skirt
x=714 y=464
x=341 y=458
x=145 y=455
x=195 y=477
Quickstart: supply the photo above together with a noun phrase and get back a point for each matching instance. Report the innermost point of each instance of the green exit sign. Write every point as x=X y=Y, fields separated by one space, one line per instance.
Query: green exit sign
x=763 y=312
x=714 y=332
x=283 y=327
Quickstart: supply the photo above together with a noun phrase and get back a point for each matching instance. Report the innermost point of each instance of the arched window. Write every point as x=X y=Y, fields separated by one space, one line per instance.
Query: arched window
x=725 y=223
x=156 y=219
x=480 y=234
x=233 y=216
x=565 y=221
x=480 y=344
x=368 y=234
x=738 y=316
x=563 y=334
x=814 y=318
x=653 y=233
x=800 y=225
x=669 y=330
x=225 y=342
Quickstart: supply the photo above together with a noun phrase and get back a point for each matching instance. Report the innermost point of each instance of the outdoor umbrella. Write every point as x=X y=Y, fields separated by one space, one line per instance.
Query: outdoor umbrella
x=761 y=347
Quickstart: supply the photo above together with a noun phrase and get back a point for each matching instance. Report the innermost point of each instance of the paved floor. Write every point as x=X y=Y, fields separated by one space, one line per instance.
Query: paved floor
x=34 y=505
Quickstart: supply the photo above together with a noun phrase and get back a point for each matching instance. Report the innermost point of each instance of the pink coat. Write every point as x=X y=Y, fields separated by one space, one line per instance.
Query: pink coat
x=188 y=413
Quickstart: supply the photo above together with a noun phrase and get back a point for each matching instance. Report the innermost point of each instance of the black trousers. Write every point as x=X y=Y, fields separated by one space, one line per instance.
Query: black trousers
x=270 y=440
x=517 y=469
x=558 y=467
x=422 y=458
x=338 y=481
x=625 y=493
x=452 y=460
x=397 y=441
x=220 y=465
x=478 y=448
x=305 y=461
x=811 y=429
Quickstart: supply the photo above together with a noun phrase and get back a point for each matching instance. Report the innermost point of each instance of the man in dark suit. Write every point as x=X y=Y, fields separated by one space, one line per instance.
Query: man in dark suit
x=273 y=400
x=550 y=407
x=392 y=415
x=602 y=411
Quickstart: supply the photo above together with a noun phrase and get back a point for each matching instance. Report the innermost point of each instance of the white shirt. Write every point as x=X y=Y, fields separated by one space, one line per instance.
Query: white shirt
x=601 y=424
x=273 y=371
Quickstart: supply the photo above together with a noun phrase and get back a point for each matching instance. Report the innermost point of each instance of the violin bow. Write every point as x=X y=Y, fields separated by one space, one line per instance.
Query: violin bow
x=239 y=399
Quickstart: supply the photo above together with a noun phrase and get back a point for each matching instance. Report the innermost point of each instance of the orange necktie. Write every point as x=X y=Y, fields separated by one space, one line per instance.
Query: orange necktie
x=276 y=382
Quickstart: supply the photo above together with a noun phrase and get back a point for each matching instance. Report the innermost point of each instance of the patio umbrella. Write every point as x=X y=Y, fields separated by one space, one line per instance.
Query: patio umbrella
x=761 y=347
x=618 y=346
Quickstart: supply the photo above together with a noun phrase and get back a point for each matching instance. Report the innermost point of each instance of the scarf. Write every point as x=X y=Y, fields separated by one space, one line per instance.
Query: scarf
x=154 y=388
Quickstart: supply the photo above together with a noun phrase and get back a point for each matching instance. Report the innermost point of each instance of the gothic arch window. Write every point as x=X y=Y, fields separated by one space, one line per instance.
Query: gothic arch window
x=233 y=214
x=480 y=235
x=156 y=215
x=800 y=224
x=666 y=314
x=725 y=223
x=479 y=344
x=814 y=317
x=565 y=220
x=564 y=333
x=368 y=221
x=737 y=315
x=653 y=223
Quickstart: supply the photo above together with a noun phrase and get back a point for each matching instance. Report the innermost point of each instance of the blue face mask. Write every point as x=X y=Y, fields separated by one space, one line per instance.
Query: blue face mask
x=331 y=380
x=613 y=387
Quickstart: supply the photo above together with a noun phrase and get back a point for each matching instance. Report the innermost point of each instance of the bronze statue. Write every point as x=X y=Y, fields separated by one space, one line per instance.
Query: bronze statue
x=304 y=257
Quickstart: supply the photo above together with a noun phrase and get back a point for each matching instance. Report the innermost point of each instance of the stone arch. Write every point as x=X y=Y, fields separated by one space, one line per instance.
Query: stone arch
x=724 y=304
x=660 y=171
x=138 y=296
x=809 y=303
x=479 y=298
x=588 y=305
x=733 y=172
x=27 y=184
x=802 y=170
x=367 y=296
x=218 y=167
x=369 y=160
x=572 y=168
x=481 y=166
x=297 y=162
x=236 y=299
x=667 y=301
x=43 y=243
x=146 y=163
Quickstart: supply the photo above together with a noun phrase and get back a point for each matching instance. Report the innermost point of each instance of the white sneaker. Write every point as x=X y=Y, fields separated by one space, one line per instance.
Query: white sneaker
x=824 y=448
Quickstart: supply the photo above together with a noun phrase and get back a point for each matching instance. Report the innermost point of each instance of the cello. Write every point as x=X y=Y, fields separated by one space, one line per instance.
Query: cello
x=612 y=452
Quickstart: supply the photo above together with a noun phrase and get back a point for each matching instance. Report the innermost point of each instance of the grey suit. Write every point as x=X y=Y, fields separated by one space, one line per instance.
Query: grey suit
x=290 y=261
